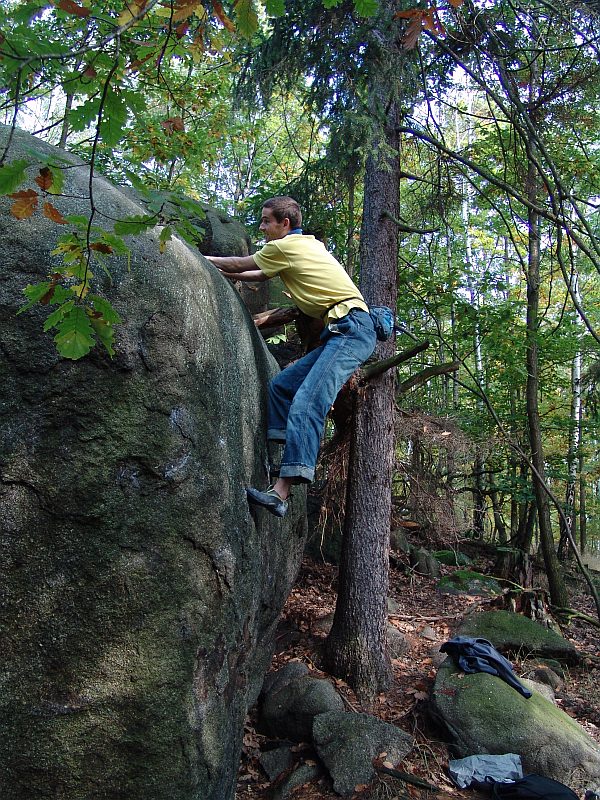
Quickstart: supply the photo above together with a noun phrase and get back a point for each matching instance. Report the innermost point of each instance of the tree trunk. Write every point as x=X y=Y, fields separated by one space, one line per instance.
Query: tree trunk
x=558 y=592
x=568 y=525
x=499 y=524
x=356 y=646
x=350 y=230
x=513 y=462
x=478 y=496
x=556 y=585
x=64 y=131
x=479 y=464
x=582 y=490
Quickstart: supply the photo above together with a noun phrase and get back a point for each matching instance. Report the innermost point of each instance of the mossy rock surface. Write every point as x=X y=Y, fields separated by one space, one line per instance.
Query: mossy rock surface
x=483 y=714
x=452 y=558
x=348 y=742
x=140 y=596
x=464 y=581
x=515 y=633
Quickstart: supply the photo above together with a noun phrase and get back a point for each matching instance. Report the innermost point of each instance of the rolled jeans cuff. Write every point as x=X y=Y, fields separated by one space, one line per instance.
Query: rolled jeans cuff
x=297 y=471
x=275 y=435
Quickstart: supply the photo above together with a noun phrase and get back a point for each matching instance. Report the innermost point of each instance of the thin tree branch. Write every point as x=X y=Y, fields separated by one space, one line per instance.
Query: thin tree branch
x=379 y=367
x=422 y=377
x=408 y=228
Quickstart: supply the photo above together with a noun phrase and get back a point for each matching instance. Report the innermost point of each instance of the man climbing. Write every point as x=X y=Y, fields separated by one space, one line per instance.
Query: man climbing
x=302 y=394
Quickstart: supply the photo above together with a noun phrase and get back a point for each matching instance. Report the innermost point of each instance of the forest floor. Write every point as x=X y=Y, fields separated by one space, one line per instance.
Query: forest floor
x=427 y=619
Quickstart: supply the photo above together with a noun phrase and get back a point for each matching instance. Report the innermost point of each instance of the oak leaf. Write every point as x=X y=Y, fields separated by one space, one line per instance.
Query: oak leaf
x=73 y=8
x=418 y=19
x=130 y=12
x=172 y=124
x=25 y=203
x=196 y=49
x=431 y=21
x=44 y=179
x=54 y=214
x=413 y=32
x=222 y=16
x=184 y=11
x=48 y=296
x=101 y=247
x=138 y=62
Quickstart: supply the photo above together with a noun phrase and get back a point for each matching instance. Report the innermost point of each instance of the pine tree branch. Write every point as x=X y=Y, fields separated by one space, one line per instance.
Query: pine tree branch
x=379 y=367
x=408 y=228
x=422 y=377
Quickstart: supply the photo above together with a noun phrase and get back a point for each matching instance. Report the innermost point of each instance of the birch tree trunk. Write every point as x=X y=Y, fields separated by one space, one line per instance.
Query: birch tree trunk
x=582 y=489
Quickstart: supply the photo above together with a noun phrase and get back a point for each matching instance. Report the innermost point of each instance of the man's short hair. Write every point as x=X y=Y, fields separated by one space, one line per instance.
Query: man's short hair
x=282 y=207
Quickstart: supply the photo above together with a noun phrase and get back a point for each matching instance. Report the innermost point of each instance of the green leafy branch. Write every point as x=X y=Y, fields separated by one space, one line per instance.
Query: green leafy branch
x=83 y=319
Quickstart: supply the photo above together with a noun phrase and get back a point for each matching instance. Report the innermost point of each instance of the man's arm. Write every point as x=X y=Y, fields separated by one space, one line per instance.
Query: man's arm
x=249 y=275
x=233 y=263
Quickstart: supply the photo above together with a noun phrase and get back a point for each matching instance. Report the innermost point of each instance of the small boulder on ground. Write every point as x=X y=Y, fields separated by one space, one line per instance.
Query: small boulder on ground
x=515 y=633
x=393 y=606
x=348 y=742
x=464 y=581
x=452 y=558
x=305 y=773
x=288 y=711
x=423 y=562
x=275 y=680
x=547 y=676
x=276 y=761
x=541 y=688
x=396 y=642
x=398 y=541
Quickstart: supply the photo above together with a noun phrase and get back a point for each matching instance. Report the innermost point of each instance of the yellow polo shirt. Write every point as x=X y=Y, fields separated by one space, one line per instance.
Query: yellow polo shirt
x=317 y=282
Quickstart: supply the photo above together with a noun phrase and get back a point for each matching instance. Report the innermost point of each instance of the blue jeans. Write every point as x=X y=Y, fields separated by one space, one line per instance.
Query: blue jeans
x=302 y=394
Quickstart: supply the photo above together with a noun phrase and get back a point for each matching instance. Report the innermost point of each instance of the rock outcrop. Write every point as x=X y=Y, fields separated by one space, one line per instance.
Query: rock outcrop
x=139 y=594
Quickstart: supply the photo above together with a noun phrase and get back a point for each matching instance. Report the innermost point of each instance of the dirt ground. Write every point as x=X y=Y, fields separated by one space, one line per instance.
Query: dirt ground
x=426 y=618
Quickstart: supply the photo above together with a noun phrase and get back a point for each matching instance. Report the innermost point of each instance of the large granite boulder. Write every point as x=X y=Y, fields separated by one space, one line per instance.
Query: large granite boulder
x=485 y=715
x=139 y=594
x=218 y=234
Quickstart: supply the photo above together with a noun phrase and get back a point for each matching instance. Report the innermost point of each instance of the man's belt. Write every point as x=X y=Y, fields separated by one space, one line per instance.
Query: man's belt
x=339 y=302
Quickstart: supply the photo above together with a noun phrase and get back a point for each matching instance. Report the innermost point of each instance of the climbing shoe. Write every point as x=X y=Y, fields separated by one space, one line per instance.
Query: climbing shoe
x=269 y=500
